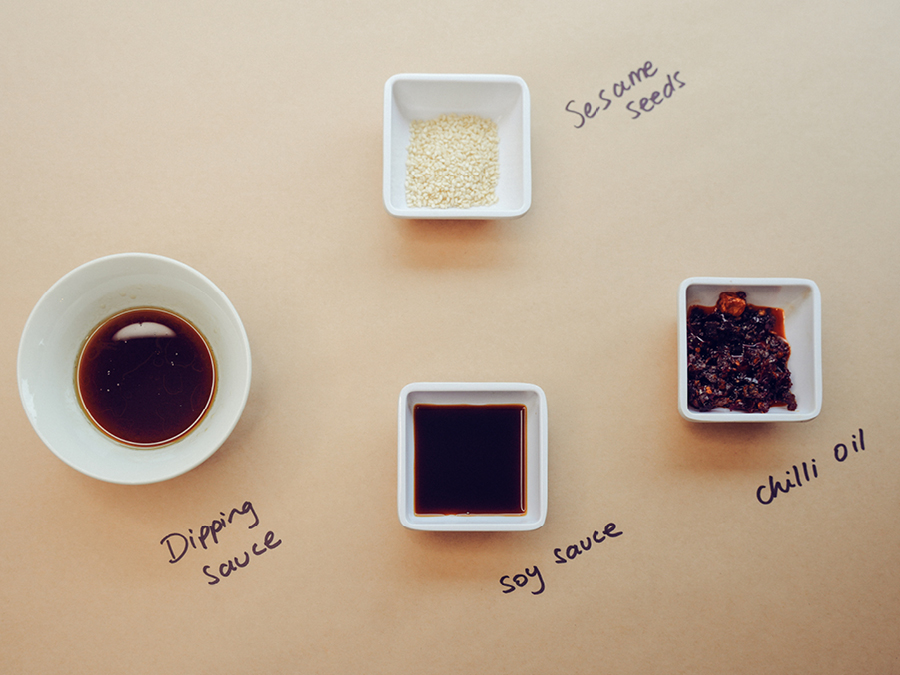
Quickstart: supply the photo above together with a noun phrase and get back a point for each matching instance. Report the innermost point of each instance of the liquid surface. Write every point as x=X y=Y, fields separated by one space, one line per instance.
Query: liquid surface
x=470 y=459
x=146 y=377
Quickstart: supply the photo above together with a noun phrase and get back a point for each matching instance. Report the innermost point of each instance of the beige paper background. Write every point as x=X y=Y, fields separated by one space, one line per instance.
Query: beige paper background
x=244 y=139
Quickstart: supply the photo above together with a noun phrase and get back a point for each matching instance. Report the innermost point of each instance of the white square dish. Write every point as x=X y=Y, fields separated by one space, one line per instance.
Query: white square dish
x=502 y=98
x=801 y=303
x=474 y=395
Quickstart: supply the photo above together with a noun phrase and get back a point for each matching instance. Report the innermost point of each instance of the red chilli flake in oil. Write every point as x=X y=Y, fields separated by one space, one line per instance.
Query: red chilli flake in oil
x=737 y=356
x=146 y=377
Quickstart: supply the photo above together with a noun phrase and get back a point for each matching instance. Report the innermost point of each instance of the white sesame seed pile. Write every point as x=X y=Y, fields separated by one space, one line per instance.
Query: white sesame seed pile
x=452 y=162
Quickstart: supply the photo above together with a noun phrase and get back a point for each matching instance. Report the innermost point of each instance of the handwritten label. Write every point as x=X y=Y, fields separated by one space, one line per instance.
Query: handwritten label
x=798 y=476
x=626 y=88
x=521 y=580
x=584 y=545
x=562 y=555
x=178 y=544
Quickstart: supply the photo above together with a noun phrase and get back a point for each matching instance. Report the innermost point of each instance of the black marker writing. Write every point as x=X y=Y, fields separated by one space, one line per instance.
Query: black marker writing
x=797 y=476
x=511 y=583
x=232 y=565
x=775 y=486
x=629 y=85
x=521 y=580
x=656 y=98
x=840 y=450
x=634 y=78
x=589 y=111
x=584 y=545
x=178 y=543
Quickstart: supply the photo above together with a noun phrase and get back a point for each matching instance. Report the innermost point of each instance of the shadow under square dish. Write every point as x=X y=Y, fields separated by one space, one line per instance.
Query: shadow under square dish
x=470 y=459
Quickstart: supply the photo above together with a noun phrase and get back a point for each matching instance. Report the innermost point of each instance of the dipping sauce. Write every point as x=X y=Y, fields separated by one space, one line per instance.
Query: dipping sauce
x=145 y=377
x=737 y=356
x=470 y=459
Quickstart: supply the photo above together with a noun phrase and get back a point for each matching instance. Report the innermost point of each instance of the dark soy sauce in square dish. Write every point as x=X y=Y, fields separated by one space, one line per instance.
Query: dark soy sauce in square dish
x=146 y=377
x=470 y=459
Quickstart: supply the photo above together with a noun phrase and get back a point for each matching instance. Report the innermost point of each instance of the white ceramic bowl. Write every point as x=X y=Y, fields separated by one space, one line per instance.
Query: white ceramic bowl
x=61 y=322
x=802 y=305
x=475 y=394
x=503 y=98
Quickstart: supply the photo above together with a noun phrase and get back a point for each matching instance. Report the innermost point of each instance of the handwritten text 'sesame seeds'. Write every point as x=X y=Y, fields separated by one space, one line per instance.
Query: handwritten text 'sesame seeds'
x=625 y=88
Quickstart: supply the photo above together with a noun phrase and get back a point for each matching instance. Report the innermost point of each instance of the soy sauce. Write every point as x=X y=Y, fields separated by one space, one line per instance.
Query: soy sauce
x=146 y=377
x=470 y=459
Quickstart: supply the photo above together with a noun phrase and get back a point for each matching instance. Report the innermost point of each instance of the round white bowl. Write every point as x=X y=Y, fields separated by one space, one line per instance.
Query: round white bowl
x=59 y=325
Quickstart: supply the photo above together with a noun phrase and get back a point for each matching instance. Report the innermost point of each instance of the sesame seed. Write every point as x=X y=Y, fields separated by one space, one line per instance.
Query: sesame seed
x=453 y=161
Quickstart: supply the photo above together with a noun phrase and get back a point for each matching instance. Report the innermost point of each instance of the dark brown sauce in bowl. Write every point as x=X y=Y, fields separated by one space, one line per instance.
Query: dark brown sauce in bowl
x=470 y=459
x=146 y=377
